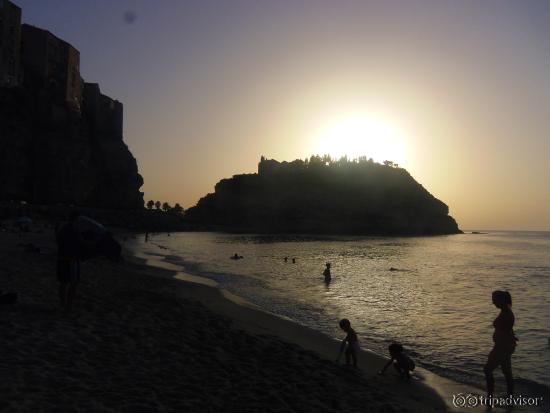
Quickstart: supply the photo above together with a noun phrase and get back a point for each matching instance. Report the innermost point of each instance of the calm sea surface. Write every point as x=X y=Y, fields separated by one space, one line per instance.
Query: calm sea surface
x=436 y=301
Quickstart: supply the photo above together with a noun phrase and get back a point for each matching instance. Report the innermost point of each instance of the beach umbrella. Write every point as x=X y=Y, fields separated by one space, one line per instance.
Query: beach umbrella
x=23 y=221
x=96 y=240
x=90 y=231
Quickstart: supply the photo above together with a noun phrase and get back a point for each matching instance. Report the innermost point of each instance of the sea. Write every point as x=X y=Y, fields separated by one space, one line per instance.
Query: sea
x=431 y=294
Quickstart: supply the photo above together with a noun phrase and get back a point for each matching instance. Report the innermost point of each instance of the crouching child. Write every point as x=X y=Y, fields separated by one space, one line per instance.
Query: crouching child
x=402 y=363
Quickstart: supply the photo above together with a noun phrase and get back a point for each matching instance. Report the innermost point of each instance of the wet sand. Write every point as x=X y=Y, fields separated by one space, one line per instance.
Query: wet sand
x=139 y=340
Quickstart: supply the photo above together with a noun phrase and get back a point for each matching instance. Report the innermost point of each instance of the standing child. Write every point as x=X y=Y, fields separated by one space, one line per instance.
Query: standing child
x=403 y=364
x=352 y=348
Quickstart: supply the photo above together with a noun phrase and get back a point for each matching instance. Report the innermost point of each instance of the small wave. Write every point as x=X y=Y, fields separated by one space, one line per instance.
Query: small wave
x=536 y=267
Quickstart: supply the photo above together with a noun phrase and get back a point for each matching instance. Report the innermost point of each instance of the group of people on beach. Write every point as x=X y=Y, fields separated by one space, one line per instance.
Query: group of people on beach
x=350 y=347
x=504 y=340
x=501 y=355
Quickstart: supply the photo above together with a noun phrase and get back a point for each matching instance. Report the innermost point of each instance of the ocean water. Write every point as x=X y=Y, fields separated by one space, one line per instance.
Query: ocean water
x=436 y=301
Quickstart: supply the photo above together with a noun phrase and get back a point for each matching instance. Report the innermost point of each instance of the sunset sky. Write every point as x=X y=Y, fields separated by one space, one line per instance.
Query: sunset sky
x=456 y=92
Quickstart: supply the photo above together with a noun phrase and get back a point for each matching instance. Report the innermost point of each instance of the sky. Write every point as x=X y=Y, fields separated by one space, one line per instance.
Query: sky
x=456 y=92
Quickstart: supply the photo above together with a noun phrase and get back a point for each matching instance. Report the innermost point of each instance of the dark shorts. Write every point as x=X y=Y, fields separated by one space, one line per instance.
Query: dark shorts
x=68 y=271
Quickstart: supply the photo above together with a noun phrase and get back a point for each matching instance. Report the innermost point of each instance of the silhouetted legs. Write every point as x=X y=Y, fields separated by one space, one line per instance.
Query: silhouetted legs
x=67 y=292
x=499 y=357
x=402 y=372
x=506 y=367
x=351 y=357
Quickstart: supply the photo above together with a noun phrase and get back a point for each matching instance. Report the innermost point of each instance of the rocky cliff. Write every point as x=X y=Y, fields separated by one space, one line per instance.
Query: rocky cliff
x=51 y=153
x=326 y=197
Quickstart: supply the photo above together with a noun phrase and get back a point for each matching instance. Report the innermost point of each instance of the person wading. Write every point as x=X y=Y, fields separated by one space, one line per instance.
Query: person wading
x=504 y=343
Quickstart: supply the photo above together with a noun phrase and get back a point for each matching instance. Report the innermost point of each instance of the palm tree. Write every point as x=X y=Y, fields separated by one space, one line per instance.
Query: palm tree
x=150 y=204
x=157 y=205
x=166 y=207
x=178 y=209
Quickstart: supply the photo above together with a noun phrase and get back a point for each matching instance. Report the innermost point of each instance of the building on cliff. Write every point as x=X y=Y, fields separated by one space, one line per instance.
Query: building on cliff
x=10 y=40
x=61 y=139
x=51 y=64
x=105 y=114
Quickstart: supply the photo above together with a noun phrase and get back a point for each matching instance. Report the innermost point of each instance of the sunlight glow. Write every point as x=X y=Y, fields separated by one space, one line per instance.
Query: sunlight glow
x=361 y=135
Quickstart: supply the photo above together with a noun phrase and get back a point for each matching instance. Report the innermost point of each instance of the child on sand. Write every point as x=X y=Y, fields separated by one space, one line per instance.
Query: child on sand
x=352 y=348
x=403 y=364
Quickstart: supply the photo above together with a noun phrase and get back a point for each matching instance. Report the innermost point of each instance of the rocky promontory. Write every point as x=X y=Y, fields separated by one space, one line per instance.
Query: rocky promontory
x=324 y=196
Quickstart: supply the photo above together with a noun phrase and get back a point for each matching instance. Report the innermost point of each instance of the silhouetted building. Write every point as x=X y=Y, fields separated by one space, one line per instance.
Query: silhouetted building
x=52 y=64
x=105 y=114
x=267 y=166
x=10 y=40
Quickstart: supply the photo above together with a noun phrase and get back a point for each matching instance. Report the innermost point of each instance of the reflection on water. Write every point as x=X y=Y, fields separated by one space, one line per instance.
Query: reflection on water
x=432 y=294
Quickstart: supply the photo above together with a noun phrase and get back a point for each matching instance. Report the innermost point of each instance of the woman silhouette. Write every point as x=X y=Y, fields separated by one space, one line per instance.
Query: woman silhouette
x=505 y=343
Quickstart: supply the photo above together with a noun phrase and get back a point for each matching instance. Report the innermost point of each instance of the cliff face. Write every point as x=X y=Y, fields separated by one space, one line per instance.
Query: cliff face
x=324 y=197
x=51 y=153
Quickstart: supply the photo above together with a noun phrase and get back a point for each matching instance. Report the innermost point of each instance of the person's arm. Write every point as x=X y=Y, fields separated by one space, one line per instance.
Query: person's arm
x=344 y=341
x=342 y=347
x=386 y=366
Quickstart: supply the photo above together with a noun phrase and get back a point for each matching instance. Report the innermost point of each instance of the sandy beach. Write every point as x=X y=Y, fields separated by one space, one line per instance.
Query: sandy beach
x=139 y=340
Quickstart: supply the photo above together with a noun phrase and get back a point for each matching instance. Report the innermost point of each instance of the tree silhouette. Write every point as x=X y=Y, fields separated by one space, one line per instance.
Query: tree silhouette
x=178 y=209
x=157 y=205
x=150 y=204
x=166 y=207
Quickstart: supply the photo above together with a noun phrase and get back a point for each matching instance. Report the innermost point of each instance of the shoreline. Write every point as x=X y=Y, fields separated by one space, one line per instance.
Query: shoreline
x=140 y=339
x=432 y=388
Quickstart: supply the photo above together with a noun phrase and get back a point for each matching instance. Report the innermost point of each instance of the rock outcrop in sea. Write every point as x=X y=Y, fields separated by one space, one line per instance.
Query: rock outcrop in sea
x=323 y=196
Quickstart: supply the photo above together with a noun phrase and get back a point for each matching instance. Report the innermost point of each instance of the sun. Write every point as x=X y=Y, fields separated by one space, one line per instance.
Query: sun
x=361 y=135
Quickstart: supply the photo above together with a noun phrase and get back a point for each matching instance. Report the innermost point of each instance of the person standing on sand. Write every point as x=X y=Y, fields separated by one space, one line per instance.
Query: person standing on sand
x=505 y=343
x=352 y=348
x=68 y=263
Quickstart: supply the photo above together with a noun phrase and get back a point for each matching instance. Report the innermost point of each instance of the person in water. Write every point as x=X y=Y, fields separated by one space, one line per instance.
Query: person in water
x=237 y=257
x=350 y=343
x=504 y=343
x=326 y=273
x=402 y=363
